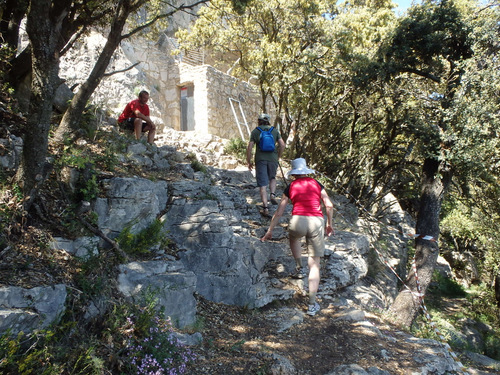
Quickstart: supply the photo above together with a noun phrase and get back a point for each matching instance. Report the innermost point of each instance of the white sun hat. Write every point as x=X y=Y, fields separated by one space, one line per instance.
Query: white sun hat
x=299 y=166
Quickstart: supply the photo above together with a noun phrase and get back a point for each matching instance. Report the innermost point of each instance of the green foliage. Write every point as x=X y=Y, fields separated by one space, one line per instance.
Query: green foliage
x=16 y=356
x=11 y=197
x=90 y=189
x=42 y=353
x=446 y=286
x=431 y=33
x=81 y=159
x=483 y=305
x=9 y=347
x=6 y=92
x=11 y=207
x=196 y=164
x=89 y=120
x=466 y=228
x=273 y=42
x=239 y=6
x=91 y=279
x=492 y=346
x=142 y=242
x=238 y=148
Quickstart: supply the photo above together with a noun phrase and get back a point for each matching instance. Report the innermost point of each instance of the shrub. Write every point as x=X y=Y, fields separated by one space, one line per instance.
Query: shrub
x=198 y=166
x=157 y=352
x=238 y=148
x=152 y=347
x=142 y=242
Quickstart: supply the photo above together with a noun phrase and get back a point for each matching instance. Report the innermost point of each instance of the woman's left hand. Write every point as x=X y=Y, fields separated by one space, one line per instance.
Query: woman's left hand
x=267 y=236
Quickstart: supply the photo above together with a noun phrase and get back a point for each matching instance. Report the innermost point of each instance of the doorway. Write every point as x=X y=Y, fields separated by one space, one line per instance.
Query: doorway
x=187 y=108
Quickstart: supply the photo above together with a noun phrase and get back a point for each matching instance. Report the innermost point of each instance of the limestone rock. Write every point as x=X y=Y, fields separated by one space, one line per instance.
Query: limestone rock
x=28 y=309
x=10 y=152
x=169 y=282
x=133 y=202
x=82 y=247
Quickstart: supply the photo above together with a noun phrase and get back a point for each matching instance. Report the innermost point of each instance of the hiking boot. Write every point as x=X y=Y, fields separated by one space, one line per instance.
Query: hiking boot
x=298 y=273
x=273 y=199
x=313 y=309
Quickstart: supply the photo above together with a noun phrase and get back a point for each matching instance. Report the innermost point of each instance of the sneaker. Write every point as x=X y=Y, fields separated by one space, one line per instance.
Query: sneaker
x=299 y=273
x=273 y=199
x=313 y=309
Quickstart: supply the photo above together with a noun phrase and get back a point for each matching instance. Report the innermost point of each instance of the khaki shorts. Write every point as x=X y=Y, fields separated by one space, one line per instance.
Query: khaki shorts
x=311 y=227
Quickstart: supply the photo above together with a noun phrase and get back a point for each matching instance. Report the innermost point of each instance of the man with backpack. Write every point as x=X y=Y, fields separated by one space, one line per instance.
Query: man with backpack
x=267 y=155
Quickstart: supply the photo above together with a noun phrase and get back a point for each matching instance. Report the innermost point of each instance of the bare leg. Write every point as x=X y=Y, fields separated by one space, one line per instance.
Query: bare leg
x=151 y=136
x=272 y=186
x=314 y=275
x=137 y=128
x=263 y=195
x=296 y=251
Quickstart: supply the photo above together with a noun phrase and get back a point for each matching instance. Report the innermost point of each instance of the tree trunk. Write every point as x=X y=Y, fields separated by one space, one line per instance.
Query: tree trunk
x=406 y=305
x=71 y=119
x=43 y=27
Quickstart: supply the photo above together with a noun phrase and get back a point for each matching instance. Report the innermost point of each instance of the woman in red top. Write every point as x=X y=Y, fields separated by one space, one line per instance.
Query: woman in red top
x=306 y=195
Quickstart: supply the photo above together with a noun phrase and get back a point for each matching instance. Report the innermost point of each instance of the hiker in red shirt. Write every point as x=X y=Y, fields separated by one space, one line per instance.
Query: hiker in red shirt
x=306 y=195
x=135 y=117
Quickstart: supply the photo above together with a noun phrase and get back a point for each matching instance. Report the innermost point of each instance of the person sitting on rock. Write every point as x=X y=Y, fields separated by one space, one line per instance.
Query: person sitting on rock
x=135 y=117
x=306 y=195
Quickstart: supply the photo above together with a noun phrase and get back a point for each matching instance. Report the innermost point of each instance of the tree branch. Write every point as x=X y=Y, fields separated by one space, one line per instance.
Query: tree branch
x=72 y=41
x=161 y=16
x=121 y=70
x=422 y=74
x=99 y=233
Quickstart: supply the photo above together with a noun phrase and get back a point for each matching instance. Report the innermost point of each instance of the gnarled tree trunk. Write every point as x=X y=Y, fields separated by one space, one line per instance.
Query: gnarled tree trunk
x=434 y=184
x=43 y=27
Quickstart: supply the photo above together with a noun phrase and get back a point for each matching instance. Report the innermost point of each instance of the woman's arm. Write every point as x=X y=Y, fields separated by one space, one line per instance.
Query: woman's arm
x=329 y=212
x=276 y=218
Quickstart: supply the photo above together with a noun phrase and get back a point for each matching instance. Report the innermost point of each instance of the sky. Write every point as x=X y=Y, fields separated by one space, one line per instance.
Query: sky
x=402 y=5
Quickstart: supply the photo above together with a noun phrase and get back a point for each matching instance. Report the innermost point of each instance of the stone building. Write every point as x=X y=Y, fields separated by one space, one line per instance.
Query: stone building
x=186 y=94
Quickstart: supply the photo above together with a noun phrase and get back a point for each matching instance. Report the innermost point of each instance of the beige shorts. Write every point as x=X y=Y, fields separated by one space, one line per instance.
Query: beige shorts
x=313 y=229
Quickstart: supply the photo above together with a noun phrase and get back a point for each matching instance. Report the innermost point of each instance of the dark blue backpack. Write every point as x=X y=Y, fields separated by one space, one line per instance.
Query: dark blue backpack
x=266 y=140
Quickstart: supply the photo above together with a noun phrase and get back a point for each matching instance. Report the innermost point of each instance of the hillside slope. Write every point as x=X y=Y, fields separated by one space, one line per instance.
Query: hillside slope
x=278 y=338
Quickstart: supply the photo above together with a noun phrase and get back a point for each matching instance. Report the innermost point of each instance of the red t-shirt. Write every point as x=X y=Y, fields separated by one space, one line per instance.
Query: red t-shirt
x=129 y=111
x=305 y=194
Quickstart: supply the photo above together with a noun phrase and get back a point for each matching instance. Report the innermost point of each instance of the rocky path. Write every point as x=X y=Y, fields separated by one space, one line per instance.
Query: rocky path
x=279 y=338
